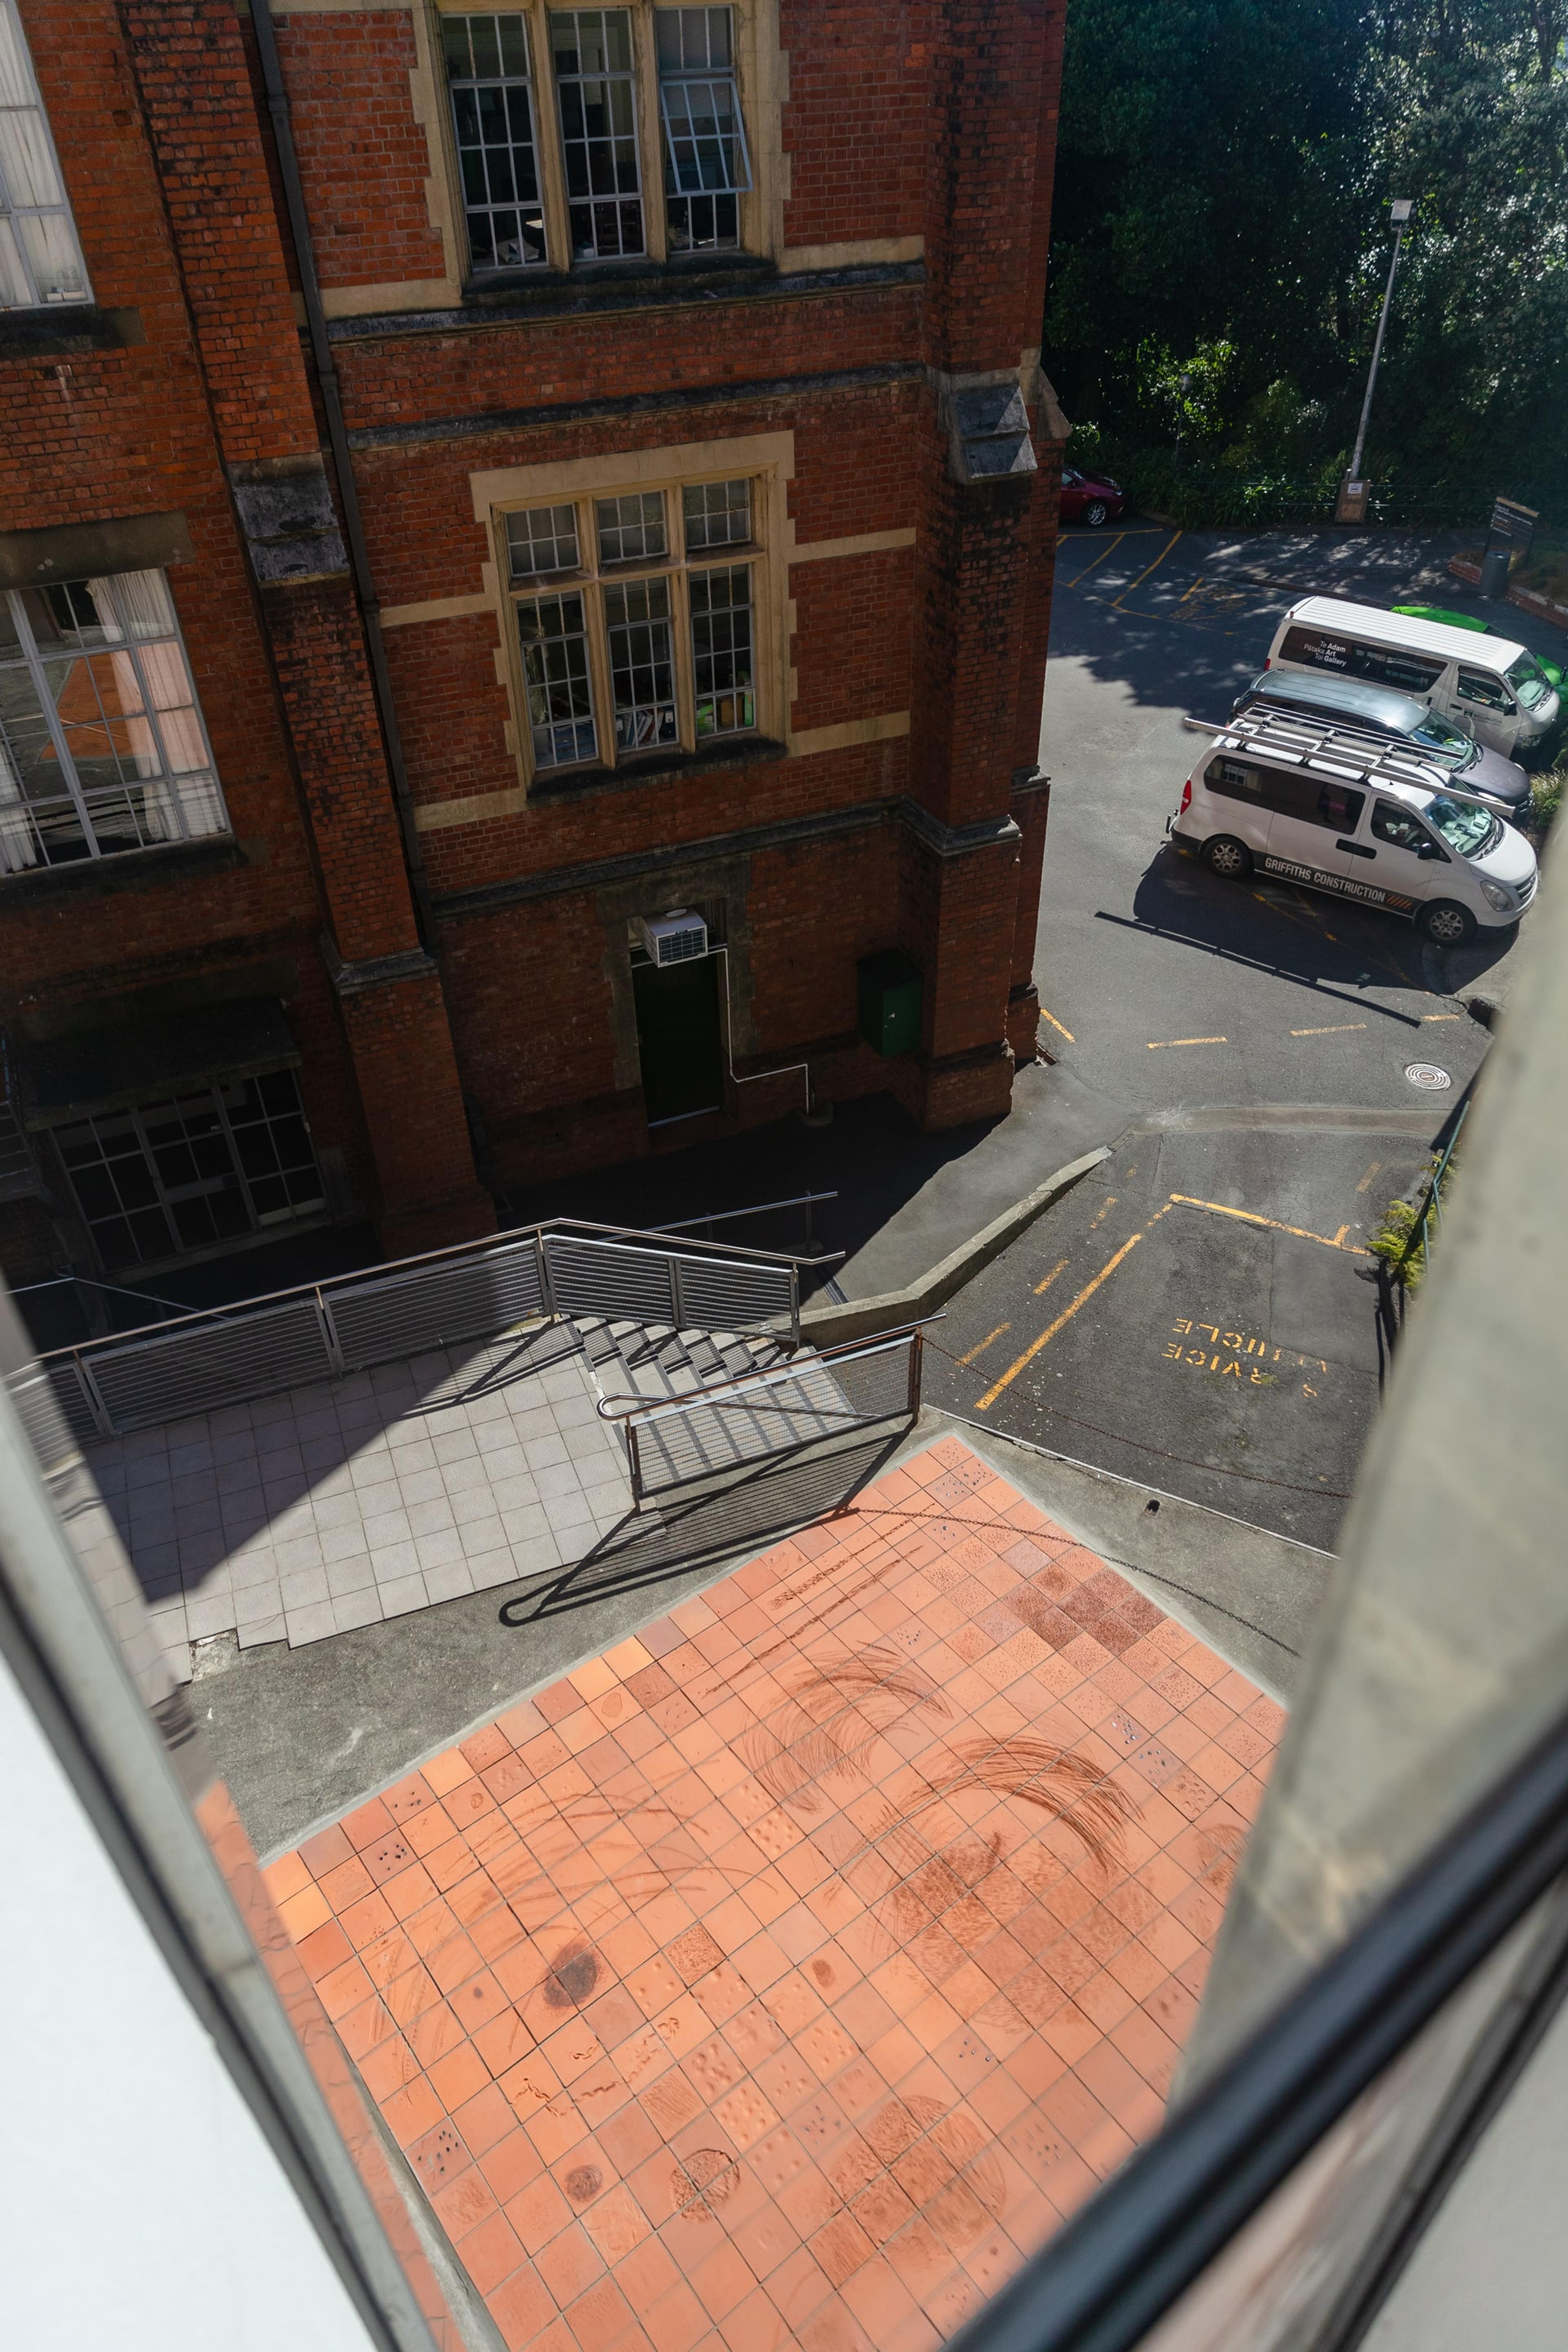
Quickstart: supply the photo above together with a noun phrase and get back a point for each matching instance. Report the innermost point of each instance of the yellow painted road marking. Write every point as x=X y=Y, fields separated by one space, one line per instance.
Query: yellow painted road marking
x=1442 y=1016
x=1098 y=559
x=1144 y=573
x=1337 y=1030
x=1050 y=1331
x=1370 y=1173
x=1157 y=1044
x=1192 y=591
x=1250 y=1217
x=986 y=1343
x=1056 y=1026
x=1050 y=1277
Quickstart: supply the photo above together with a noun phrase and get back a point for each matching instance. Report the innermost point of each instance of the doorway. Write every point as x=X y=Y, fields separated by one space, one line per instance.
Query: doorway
x=678 y=1037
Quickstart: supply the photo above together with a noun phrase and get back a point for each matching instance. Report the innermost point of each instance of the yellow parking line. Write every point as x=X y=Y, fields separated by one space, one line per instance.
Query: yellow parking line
x=1370 y=1173
x=1049 y=1333
x=1144 y=573
x=1337 y=1029
x=1098 y=559
x=1442 y=1016
x=1192 y=591
x=1056 y=1026
x=985 y=1343
x=1050 y=1277
x=1250 y=1217
x=1157 y=1044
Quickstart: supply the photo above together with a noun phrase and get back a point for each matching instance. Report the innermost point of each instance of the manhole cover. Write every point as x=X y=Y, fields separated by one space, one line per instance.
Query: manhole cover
x=1429 y=1075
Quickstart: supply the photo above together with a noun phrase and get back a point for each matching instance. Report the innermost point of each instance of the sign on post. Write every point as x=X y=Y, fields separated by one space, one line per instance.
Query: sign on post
x=1512 y=527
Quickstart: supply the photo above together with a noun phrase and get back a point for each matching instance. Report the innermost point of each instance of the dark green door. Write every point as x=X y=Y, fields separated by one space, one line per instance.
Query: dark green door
x=678 y=1035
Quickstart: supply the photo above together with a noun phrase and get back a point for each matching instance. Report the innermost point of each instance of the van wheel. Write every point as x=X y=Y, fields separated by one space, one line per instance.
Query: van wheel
x=1226 y=855
x=1446 y=925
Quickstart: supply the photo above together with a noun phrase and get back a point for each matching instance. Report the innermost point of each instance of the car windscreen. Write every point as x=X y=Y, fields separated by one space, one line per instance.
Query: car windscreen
x=1464 y=827
x=1435 y=734
x=1528 y=681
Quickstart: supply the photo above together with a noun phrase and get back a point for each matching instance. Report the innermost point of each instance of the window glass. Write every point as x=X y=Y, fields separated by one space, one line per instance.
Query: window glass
x=208 y=1166
x=721 y=650
x=596 y=93
x=1528 y=681
x=103 y=747
x=40 y=260
x=1469 y=830
x=631 y=529
x=1480 y=686
x=554 y=635
x=1339 y=808
x=543 y=540
x=642 y=664
x=1411 y=673
x=718 y=514
x=492 y=112
x=706 y=162
x=1233 y=779
x=1400 y=828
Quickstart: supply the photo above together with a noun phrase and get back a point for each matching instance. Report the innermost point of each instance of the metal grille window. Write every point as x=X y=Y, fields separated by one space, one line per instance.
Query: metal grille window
x=161 y=1179
x=718 y=514
x=631 y=530
x=541 y=540
x=555 y=674
x=40 y=260
x=103 y=746
x=721 y=650
x=706 y=165
x=642 y=664
x=492 y=110
x=655 y=649
x=595 y=89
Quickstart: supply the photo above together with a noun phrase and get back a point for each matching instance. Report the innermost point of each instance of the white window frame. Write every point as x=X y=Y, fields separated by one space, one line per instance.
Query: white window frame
x=190 y=803
x=27 y=137
x=679 y=92
x=528 y=83
x=596 y=583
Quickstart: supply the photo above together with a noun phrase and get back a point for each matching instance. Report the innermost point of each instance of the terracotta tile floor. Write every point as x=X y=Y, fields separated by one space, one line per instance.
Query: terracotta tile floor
x=785 y=1975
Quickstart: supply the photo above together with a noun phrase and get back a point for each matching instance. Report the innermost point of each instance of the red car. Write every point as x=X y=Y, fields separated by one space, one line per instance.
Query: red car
x=1090 y=498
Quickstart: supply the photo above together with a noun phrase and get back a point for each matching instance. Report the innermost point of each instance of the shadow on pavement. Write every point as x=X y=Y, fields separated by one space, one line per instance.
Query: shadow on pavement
x=709 y=1528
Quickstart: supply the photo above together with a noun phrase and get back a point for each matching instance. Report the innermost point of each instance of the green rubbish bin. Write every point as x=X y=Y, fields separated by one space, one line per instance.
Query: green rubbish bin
x=891 y=988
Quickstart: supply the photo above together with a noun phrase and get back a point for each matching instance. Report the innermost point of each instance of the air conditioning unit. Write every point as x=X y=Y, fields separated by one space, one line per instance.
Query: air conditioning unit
x=678 y=937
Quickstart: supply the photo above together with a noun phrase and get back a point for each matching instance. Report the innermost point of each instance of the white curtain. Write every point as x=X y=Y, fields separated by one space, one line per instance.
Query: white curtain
x=139 y=602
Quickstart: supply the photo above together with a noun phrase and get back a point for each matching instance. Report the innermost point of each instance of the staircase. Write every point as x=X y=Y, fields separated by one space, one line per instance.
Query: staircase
x=770 y=1399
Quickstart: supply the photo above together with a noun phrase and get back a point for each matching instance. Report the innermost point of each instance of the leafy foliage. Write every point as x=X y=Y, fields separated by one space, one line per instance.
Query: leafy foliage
x=1221 y=243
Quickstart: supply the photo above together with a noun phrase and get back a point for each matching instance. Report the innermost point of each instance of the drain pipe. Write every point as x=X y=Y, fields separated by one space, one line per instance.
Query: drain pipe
x=754 y=1077
x=337 y=435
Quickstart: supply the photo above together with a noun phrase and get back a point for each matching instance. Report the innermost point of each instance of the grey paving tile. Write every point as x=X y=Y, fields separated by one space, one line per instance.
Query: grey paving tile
x=351 y=1574
x=436 y=1550
x=267 y=1411
x=297 y=1553
x=199 y=1518
x=314 y=1415
x=411 y=1453
x=109 y=1476
x=250 y=1567
x=296 y=1517
x=429 y=1519
x=197 y=1565
x=557 y=1478
x=193 y=1455
x=143 y=1444
x=206 y=1613
x=394 y=1562
x=352 y=1609
x=480 y=1536
x=471 y=1470
x=311 y=1621
x=422 y=1487
x=538 y=1553
x=473 y=1503
x=492 y=1569
x=403 y=1594
x=279 y=1462
x=349 y=1542
x=519 y=1496
x=368 y=1470
x=568 y=1514
x=225 y=1419
x=498 y=1449
x=447 y=1582
x=323 y=1453
x=235 y=1446
x=300 y=1586
x=383 y=1528
x=531 y=1420
x=240 y=1476
x=256 y=1602
x=158 y=1558
x=542 y=1452
x=264 y=1630
x=333 y=1483
x=341 y=1510
x=454 y=1445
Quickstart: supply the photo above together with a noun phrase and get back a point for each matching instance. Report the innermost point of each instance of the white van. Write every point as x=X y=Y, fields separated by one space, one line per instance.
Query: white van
x=1335 y=811
x=1494 y=689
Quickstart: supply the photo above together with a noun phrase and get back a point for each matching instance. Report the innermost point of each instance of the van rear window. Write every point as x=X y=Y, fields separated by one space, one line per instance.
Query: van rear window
x=1301 y=795
x=1393 y=666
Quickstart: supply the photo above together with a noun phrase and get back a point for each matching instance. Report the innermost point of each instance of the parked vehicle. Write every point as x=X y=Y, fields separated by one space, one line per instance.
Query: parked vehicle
x=1091 y=498
x=1394 y=718
x=1318 y=808
x=1491 y=687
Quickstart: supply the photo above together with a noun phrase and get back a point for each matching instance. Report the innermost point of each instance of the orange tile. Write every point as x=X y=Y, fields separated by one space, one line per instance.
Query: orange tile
x=305 y=1912
x=460 y=2075
x=285 y=1877
x=444 y=1773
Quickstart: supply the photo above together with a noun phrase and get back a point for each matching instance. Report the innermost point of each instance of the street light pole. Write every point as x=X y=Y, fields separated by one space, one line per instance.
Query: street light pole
x=1352 y=488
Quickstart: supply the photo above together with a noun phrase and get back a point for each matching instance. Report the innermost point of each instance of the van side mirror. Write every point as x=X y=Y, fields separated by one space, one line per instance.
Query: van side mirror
x=1429 y=849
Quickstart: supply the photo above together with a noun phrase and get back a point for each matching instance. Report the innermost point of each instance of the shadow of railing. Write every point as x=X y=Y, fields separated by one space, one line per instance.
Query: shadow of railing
x=706 y=1530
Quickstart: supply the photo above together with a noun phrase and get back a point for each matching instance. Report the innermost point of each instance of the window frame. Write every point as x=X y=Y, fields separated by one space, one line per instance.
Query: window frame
x=755 y=71
x=73 y=790
x=11 y=210
x=531 y=84
x=763 y=555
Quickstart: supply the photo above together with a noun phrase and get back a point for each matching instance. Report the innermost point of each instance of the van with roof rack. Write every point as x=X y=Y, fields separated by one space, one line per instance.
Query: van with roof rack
x=1399 y=719
x=1493 y=689
x=1333 y=810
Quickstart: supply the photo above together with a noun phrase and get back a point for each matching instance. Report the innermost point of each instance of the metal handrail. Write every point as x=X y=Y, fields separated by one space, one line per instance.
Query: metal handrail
x=657 y=1407
x=304 y=1291
x=763 y=1208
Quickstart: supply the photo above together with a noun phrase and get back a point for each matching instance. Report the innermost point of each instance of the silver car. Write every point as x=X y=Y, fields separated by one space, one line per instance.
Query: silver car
x=1398 y=717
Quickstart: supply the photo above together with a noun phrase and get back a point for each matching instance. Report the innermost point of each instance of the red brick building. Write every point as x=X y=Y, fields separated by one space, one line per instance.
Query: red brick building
x=473 y=483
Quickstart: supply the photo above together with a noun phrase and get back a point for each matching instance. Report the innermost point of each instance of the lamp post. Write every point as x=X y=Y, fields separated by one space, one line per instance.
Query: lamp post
x=1353 y=490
